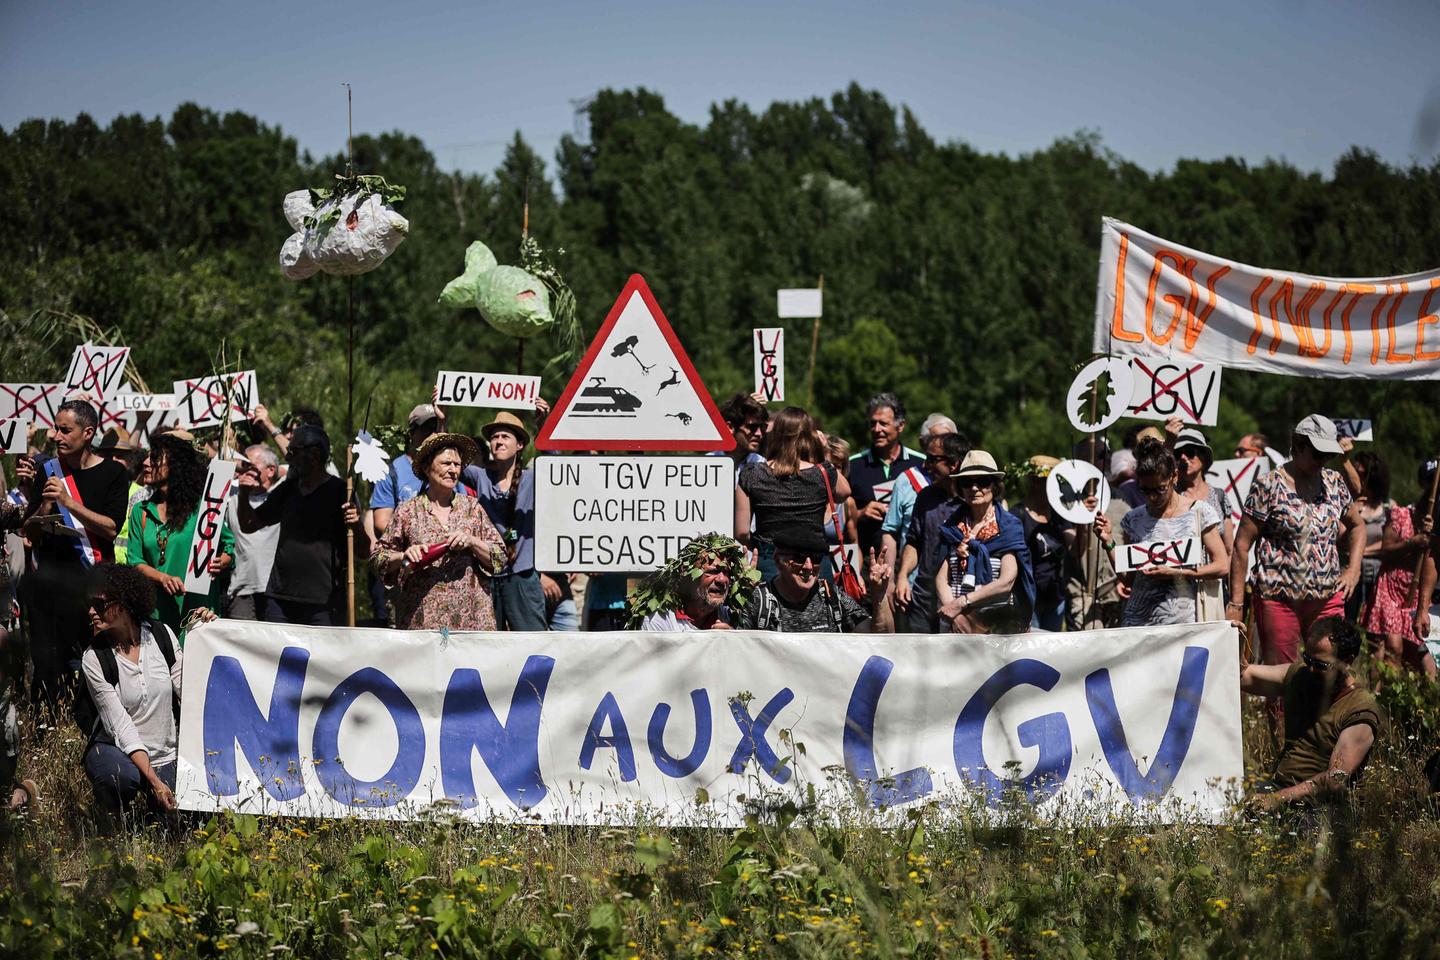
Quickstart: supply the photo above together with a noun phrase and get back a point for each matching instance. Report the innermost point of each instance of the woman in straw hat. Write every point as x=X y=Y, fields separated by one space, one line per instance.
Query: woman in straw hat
x=440 y=548
x=986 y=584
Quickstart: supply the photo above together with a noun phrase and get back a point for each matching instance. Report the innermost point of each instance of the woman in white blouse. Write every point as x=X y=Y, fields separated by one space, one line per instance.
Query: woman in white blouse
x=135 y=725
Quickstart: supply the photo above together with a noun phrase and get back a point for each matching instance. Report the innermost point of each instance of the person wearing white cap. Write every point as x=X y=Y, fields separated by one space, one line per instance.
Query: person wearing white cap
x=1294 y=518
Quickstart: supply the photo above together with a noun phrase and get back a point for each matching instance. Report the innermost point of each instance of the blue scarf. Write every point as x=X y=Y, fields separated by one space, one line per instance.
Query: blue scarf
x=1009 y=539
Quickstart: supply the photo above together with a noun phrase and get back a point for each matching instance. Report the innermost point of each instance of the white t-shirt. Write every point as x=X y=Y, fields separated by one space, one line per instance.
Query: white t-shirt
x=138 y=712
x=254 y=552
x=668 y=623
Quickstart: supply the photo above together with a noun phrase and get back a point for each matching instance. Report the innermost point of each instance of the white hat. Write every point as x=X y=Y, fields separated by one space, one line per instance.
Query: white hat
x=1320 y=431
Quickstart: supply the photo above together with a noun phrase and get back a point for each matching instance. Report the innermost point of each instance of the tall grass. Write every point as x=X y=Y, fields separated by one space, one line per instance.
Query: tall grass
x=1361 y=878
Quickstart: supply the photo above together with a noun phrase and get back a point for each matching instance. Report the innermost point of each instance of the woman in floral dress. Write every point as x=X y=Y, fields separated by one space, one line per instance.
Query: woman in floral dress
x=440 y=548
x=1392 y=615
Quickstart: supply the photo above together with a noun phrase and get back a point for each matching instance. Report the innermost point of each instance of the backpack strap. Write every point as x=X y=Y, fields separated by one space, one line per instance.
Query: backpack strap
x=163 y=640
x=832 y=606
x=111 y=670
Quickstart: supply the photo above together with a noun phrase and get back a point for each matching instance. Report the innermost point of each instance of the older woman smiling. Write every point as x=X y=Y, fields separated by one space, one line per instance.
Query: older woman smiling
x=440 y=548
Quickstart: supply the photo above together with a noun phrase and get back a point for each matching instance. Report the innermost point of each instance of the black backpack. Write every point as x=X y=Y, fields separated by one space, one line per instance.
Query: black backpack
x=87 y=715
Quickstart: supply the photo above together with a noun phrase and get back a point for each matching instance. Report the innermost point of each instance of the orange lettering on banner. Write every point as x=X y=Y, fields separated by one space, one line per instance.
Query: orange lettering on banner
x=1375 y=324
x=1255 y=312
x=1196 y=324
x=1359 y=290
x=1284 y=296
x=1302 y=314
x=1179 y=306
x=1426 y=317
x=1117 y=319
x=1390 y=355
x=1325 y=345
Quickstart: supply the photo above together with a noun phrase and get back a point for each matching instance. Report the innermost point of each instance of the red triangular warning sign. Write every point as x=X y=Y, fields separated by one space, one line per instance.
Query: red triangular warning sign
x=635 y=389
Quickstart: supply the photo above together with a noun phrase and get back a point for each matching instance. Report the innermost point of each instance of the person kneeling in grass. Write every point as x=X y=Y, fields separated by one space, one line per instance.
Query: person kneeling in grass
x=1331 y=721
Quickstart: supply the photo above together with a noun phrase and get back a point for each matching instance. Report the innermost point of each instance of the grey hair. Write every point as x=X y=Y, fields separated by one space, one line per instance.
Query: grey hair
x=927 y=427
x=262 y=456
x=882 y=400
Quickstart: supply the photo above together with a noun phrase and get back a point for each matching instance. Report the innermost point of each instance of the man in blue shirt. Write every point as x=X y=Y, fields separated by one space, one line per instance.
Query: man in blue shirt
x=873 y=472
x=400 y=483
x=908 y=487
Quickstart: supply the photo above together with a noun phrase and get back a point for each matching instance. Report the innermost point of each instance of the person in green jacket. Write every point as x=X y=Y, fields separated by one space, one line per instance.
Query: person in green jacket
x=162 y=528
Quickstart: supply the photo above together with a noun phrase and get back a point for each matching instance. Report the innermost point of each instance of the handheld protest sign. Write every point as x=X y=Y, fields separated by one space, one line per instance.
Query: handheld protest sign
x=1129 y=557
x=36 y=402
x=635 y=389
x=770 y=363
x=370 y=458
x=1070 y=482
x=1112 y=394
x=1190 y=391
x=206 y=542
x=507 y=391
x=1235 y=478
x=96 y=370
x=13 y=435
x=202 y=400
x=1353 y=428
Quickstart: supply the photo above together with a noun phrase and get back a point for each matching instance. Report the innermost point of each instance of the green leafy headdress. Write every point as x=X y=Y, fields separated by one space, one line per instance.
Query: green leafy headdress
x=664 y=590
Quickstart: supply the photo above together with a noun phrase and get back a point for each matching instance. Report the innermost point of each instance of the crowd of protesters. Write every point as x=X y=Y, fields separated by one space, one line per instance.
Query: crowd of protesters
x=94 y=607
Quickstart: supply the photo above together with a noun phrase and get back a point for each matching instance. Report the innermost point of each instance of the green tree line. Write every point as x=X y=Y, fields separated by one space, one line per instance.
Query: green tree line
x=962 y=280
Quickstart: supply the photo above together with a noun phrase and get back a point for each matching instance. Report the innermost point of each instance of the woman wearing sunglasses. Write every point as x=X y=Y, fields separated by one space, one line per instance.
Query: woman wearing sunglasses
x=130 y=707
x=1163 y=593
x=1295 y=518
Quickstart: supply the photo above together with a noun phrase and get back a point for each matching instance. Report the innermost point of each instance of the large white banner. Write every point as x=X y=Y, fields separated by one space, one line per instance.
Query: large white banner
x=698 y=728
x=1160 y=299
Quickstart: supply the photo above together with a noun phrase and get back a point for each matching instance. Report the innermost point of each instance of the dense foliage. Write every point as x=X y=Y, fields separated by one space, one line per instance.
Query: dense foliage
x=938 y=260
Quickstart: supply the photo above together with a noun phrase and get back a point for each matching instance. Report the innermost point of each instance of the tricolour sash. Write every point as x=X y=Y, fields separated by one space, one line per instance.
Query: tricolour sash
x=89 y=553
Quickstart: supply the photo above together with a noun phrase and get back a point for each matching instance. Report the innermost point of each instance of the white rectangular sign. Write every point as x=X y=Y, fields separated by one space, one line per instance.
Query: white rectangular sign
x=1235 y=477
x=1140 y=725
x=36 y=402
x=770 y=363
x=97 y=371
x=143 y=402
x=509 y=391
x=1166 y=388
x=1354 y=429
x=201 y=401
x=206 y=542
x=799 y=304
x=622 y=514
x=1160 y=299
x=1129 y=557
x=14 y=434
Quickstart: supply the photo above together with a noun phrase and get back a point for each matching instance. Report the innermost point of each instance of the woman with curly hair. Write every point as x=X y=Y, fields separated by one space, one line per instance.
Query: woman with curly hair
x=163 y=526
x=132 y=676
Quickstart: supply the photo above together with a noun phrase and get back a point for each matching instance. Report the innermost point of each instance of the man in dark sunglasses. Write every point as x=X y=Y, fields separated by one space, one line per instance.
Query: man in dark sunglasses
x=1331 y=721
x=797 y=600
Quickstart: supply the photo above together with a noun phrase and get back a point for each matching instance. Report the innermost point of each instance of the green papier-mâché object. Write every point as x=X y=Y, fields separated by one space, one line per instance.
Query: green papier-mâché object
x=513 y=301
x=460 y=292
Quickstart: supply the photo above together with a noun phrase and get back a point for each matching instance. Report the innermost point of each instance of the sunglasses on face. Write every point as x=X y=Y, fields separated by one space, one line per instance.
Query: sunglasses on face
x=1316 y=664
x=1189 y=453
x=940 y=458
x=751 y=427
x=801 y=559
x=977 y=483
x=1150 y=491
x=101 y=603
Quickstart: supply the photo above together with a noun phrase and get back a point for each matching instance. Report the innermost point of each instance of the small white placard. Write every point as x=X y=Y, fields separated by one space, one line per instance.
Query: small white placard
x=142 y=402
x=509 y=391
x=206 y=542
x=799 y=304
x=13 y=434
x=1129 y=557
x=1354 y=429
x=201 y=402
x=1164 y=389
x=96 y=371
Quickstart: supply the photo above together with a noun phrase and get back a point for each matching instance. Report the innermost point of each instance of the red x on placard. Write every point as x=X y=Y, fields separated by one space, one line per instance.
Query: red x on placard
x=1167 y=388
x=33 y=405
x=93 y=376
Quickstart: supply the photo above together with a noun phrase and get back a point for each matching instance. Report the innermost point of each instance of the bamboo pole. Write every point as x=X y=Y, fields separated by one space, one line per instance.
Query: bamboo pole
x=349 y=380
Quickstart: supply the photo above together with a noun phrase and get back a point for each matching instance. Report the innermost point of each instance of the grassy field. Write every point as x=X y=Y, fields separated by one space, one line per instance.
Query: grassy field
x=1361 y=879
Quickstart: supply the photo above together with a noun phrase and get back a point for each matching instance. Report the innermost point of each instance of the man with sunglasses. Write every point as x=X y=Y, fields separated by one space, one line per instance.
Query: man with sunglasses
x=924 y=552
x=747 y=419
x=796 y=600
x=1331 y=721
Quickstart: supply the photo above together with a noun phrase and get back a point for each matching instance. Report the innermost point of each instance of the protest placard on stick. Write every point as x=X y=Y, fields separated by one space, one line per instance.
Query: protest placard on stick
x=211 y=520
x=508 y=391
x=770 y=363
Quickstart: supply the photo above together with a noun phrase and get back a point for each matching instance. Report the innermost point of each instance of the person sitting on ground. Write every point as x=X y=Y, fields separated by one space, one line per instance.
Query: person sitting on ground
x=440 y=548
x=797 y=600
x=132 y=671
x=701 y=588
x=1161 y=593
x=1331 y=722
x=162 y=528
x=987 y=583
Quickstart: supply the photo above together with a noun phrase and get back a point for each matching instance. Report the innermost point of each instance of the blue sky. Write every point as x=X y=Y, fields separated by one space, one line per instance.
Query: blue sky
x=1287 y=79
